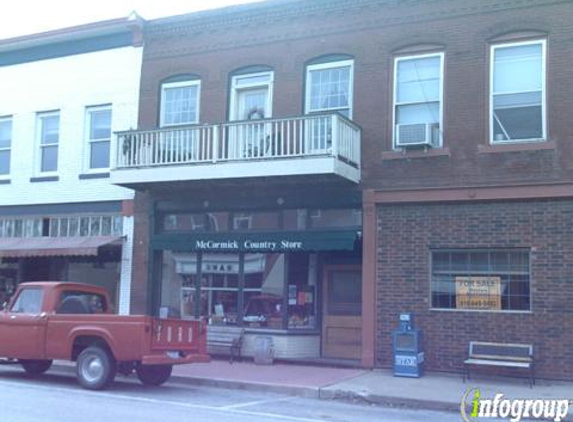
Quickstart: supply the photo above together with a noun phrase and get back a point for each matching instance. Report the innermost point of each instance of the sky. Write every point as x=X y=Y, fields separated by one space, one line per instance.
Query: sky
x=24 y=17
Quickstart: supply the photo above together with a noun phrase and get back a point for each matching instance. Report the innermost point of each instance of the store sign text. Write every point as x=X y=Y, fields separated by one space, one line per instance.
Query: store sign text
x=235 y=245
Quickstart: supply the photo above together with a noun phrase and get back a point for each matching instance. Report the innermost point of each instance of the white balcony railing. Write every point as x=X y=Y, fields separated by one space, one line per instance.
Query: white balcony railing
x=254 y=140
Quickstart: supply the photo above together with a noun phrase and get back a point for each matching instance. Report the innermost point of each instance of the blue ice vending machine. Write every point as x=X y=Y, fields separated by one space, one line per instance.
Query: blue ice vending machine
x=407 y=343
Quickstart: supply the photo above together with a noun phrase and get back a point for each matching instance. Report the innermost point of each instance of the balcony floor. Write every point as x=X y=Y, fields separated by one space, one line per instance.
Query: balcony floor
x=275 y=168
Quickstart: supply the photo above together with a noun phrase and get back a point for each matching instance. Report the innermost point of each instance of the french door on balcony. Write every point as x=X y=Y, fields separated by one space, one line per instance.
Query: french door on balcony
x=251 y=101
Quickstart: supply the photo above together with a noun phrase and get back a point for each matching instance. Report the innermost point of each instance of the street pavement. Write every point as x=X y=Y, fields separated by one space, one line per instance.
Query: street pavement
x=56 y=397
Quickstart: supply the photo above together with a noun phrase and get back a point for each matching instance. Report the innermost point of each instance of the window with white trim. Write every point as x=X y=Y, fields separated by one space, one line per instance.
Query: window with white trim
x=418 y=105
x=48 y=139
x=329 y=87
x=517 y=87
x=5 y=145
x=180 y=103
x=98 y=137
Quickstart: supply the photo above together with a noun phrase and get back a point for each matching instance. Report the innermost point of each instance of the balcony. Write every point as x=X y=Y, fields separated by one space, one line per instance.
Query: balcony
x=324 y=144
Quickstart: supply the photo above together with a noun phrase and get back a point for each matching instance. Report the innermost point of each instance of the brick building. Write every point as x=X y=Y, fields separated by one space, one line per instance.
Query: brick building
x=334 y=163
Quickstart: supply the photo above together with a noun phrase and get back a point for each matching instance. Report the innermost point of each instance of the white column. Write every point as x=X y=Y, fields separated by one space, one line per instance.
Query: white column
x=126 y=267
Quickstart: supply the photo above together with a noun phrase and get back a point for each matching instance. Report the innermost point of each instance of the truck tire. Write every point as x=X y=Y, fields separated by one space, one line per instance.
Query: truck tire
x=154 y=374
x=95 y=368
x=35 y=367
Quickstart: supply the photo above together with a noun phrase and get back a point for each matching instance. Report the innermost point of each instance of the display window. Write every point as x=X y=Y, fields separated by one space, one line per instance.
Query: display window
x=254 y=290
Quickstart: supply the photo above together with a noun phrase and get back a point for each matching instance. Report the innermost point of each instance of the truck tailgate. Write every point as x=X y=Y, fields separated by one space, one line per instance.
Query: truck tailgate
x=179 y=335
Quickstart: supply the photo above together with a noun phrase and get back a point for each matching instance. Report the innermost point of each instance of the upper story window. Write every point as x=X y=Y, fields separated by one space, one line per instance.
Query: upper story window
x=49 y=137
x=98 y=137
x=180 y=103
x=517 y=101
x=5 y=145
x=329 y=87
x=251 y=96
x=418 y=100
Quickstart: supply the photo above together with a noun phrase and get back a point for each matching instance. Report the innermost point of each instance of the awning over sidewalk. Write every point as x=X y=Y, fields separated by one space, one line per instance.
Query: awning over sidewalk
x=54 y=246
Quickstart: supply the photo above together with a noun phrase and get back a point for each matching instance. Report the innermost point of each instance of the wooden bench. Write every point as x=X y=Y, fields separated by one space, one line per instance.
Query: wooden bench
x=231 y=337
x=506 y=355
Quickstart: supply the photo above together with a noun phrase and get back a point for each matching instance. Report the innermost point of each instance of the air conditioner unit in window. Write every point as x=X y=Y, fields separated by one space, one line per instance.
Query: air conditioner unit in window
x=420 y=134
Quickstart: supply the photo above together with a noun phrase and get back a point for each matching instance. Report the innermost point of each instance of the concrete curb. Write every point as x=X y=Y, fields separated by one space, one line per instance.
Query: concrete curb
x=388 y=401
x=323 y=393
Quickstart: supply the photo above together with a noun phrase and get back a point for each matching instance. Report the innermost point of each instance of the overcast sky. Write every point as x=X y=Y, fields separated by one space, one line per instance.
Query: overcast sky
x=21 y=17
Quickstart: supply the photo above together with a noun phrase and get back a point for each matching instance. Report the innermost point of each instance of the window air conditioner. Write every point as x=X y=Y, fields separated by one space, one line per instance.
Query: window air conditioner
x=420 y=134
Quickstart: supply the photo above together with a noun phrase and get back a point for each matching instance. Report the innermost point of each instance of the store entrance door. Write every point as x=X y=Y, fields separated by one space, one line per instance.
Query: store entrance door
x=342 y=312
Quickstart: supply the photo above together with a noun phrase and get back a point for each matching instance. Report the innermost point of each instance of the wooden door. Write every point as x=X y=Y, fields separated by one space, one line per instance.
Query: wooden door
x=342 y=312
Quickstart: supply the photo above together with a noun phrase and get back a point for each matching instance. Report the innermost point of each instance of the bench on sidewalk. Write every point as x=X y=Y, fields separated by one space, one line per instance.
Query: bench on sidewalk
x=507 y=355
x=231 y=337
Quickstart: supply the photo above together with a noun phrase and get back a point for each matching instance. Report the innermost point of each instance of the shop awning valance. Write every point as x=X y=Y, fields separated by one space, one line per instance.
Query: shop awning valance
x=310 y=241
x=54 y=246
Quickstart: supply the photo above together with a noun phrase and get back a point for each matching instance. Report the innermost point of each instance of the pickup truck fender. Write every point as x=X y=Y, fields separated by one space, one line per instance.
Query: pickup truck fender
x=92 y=331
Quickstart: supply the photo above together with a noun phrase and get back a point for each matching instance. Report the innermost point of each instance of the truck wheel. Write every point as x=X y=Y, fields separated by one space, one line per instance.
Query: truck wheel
x=95 y=368
x=35 y=367
x=154 y=374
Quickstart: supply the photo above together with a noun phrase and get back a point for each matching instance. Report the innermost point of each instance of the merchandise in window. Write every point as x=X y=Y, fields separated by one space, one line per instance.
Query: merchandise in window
x=518 y=92
x=418 y=100
x=302 y=275
x=263 y=291
x=488 y=280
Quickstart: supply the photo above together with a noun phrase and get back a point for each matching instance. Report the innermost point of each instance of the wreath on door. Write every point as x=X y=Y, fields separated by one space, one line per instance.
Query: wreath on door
x=256 y=113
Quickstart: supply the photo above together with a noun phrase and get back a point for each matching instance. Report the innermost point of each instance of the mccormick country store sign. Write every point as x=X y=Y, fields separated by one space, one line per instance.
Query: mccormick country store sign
x=258 y=242
x=478 y=293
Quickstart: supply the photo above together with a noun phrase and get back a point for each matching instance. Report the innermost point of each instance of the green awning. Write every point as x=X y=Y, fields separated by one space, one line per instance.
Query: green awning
x=312 y=241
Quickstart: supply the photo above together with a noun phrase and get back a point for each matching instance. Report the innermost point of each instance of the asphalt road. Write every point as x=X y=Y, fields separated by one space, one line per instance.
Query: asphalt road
x=55 y=397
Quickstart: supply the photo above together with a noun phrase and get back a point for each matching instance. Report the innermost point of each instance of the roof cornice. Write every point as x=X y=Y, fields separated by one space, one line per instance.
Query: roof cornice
x=284 y=10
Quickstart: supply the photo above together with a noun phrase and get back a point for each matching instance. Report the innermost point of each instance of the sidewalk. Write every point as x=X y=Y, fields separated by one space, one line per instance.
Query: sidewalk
x=432 y=392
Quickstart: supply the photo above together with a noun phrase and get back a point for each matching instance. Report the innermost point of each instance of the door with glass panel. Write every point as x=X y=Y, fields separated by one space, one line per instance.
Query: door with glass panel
x=251 y=99
x=342 y=312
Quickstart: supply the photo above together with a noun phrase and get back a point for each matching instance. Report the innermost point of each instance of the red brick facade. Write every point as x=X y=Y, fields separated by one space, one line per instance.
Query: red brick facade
x=286 y=35
x=407 y=234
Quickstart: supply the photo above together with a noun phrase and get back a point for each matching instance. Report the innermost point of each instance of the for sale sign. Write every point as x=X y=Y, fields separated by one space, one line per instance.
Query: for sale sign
x=478 y=293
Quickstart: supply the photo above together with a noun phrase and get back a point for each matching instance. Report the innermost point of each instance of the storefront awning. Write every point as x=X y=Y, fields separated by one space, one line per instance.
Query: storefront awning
x=309 y=241
x=54 y=246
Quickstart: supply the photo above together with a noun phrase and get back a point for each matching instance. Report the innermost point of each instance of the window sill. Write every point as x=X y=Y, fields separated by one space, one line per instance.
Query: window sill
x=517 y=147
x=87 y=176
x=480 y=311
x=407 y=154
x=44 y=179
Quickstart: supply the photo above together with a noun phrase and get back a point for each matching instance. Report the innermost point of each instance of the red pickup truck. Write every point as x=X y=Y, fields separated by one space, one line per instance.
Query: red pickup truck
x=60 y=320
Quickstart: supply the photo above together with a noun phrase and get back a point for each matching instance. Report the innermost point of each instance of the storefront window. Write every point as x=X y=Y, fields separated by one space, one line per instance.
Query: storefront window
x=295 y=219
x=256 y=221
x=241 y=289
x=263 y=292
x=184 y=222
x=220 y=288
x=335 y=218
x=302 y=276
x=218 y=221
x=178 y=285
x=487 y=280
